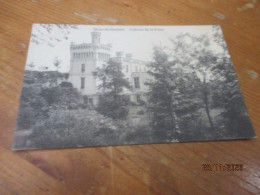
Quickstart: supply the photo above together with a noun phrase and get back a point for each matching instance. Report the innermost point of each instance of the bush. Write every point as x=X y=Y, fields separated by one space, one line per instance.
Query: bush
x=25 y=117
x=140 y=112
x=116 y=110
x=70 y=128
x=141 y=102
x=133 y=104
x=66 y=84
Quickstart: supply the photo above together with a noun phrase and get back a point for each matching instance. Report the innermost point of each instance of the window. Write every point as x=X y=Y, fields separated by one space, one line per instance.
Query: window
x=82 y=83
x=91 y=101
x=138 y=98
x=82 y=67
x=85 y=99
x=136 y=82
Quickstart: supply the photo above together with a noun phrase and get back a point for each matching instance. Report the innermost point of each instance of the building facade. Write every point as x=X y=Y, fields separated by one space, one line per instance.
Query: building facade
x=86 y=57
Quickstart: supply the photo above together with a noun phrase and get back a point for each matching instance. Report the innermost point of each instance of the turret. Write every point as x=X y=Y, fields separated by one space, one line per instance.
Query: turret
x=95 y=37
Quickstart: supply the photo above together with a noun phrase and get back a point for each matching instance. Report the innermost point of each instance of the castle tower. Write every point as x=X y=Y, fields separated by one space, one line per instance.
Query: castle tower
x=95 y=37
x=85 y=58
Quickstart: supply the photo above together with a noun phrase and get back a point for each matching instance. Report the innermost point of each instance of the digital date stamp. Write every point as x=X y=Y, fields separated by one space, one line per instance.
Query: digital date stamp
x=222 y=167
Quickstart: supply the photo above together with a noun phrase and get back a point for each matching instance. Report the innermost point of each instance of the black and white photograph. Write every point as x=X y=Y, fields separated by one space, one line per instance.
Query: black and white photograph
x=96 y=85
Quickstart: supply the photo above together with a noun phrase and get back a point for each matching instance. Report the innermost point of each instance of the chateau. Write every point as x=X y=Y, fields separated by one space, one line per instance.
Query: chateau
x=86 y=57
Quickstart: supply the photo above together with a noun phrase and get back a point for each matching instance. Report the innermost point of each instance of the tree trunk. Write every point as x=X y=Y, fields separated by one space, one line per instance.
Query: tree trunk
x=173 y=114
x=205 y=95
x=177 y=129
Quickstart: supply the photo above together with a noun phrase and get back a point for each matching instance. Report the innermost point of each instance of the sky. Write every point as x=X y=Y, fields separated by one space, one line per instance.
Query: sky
x=47 y=45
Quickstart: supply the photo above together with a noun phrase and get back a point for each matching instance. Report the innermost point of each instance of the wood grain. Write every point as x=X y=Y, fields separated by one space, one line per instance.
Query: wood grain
x=141 y=169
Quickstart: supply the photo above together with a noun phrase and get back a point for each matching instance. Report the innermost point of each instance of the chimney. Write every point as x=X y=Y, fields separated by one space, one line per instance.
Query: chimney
x=95 y=37
x=128 y=56
x=119 y=54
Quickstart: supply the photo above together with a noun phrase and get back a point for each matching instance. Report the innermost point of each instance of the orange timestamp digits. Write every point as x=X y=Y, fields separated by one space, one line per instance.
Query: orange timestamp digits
x=222 y=167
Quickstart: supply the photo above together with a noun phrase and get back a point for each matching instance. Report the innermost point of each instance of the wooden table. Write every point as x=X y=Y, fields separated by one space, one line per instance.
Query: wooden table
x=142 y=169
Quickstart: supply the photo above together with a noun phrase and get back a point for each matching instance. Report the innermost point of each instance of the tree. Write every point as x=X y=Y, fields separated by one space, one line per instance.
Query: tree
x=161 y=95
x=227 y=94
x=112 y=101
x=204 y=61
x=194 y=54
x=51 y=34
x=61 y=97
x=57 y=66
x=208 y=58
x=172 y=95
x=57 y=63
x=32 y=107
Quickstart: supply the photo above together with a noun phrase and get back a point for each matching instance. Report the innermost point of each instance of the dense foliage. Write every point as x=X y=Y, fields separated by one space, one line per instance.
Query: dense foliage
x=195 y=94
x=112 y=103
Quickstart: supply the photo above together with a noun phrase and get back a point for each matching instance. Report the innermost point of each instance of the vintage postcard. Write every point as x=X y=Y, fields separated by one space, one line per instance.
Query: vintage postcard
x=115 y=85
